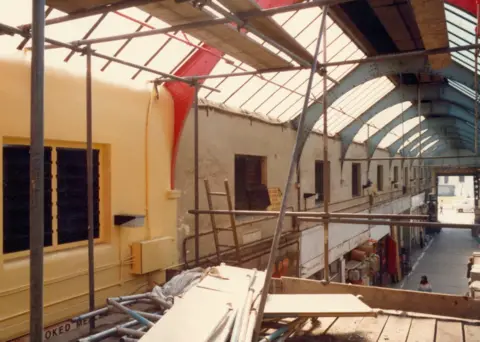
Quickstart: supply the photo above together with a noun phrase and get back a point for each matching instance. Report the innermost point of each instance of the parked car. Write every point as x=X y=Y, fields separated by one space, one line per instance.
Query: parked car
x=464 y=206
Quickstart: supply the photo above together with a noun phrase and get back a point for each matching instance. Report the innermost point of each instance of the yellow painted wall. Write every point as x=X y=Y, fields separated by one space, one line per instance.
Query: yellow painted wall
x=120 y=129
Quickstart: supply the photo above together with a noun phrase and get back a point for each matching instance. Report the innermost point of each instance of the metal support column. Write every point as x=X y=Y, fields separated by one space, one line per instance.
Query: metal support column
x=37 y=170
x=283 y=208
x=326 y=172
x=196 y=185
x=91 y=227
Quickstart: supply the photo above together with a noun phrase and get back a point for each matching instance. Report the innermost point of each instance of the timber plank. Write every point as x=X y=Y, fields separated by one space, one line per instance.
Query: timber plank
x=319 y=328
x=345 y=327
x=422 y=330
x=472 y=333
x=371 y=327
x=392 y=299
x=396 y=329
x=449 y=331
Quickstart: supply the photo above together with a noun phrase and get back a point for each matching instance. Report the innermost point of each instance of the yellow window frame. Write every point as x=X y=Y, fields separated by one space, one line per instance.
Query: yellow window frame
x=104 y=194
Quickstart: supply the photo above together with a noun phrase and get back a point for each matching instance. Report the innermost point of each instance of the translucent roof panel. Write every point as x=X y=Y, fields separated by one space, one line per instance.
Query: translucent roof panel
x=429 y=145
x=412 y=138
x=398 y=131
x=424 y=140
x=351 y=105
x=461 y=31
x=380 y=120
x=276 y=96
x=280 y=96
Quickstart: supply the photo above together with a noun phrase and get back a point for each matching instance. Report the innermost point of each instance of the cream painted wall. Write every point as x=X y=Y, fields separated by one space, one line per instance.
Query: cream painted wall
x=222 y=134
x=128 y=144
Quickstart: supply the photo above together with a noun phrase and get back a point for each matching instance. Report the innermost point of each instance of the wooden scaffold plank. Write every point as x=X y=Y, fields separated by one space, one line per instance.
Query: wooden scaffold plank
x=449 y=332
x=422 y=330
x=396 y=329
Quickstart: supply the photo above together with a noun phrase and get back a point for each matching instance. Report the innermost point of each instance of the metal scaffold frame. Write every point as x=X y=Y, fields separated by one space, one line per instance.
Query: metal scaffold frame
x=36 y=32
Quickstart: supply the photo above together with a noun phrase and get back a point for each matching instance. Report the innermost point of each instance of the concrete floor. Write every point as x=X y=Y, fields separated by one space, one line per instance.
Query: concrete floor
x=444 y=260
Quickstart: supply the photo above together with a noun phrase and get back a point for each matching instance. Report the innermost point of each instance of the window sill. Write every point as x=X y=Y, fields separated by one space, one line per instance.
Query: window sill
x=50 y=250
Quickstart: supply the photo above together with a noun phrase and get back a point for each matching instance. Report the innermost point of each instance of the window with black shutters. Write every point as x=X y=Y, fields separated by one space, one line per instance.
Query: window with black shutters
x=395 y=174
x=16 y=198
x=251 y=192
x=72 y=194
x=356 y=179
x=380 y=177
x=319 y=181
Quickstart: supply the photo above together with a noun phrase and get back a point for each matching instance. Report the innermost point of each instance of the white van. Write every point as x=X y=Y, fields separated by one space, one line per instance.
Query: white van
x=465 y=205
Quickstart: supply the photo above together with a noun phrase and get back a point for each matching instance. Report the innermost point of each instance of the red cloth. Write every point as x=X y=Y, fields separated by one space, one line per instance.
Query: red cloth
x=391 y=256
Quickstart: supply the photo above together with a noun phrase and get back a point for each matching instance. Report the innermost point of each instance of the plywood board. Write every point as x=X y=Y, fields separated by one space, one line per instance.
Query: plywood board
x=233 y=280
x=201 y=322
x=396 y=329
x=315 y=305
x=223 y=37
x=391 y=299
x=471 y=333
x=431 y=21
x=422 y=330
x=449 y=331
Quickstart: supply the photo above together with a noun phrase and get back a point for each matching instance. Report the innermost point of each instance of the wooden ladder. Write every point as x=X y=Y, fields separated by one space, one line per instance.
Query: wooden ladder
x=219 y=248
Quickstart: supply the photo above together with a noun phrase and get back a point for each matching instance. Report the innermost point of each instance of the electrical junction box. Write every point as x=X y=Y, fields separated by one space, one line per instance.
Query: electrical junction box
x=153 y=255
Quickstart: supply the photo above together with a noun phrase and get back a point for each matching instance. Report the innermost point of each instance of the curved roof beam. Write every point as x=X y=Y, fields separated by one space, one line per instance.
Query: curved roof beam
x=368 y=71
x=460 y=135
x=398 y=95
x=439 y=107
x=433 y=123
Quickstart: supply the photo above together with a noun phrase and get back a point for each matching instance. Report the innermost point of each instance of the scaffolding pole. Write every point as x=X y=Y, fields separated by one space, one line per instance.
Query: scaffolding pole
x=410 y=158
x=293 y=161
x=326 y=171
x=419 y=110
x=91 y=236
x=378 y=58
x=196 y=183
x=387 y=222
x=37 y=170
x=310 y=214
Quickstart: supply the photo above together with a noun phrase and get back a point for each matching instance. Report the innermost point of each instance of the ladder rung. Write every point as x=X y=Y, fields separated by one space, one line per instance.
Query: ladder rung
x=224 y=229
x=226 y=246
x=218 y=194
